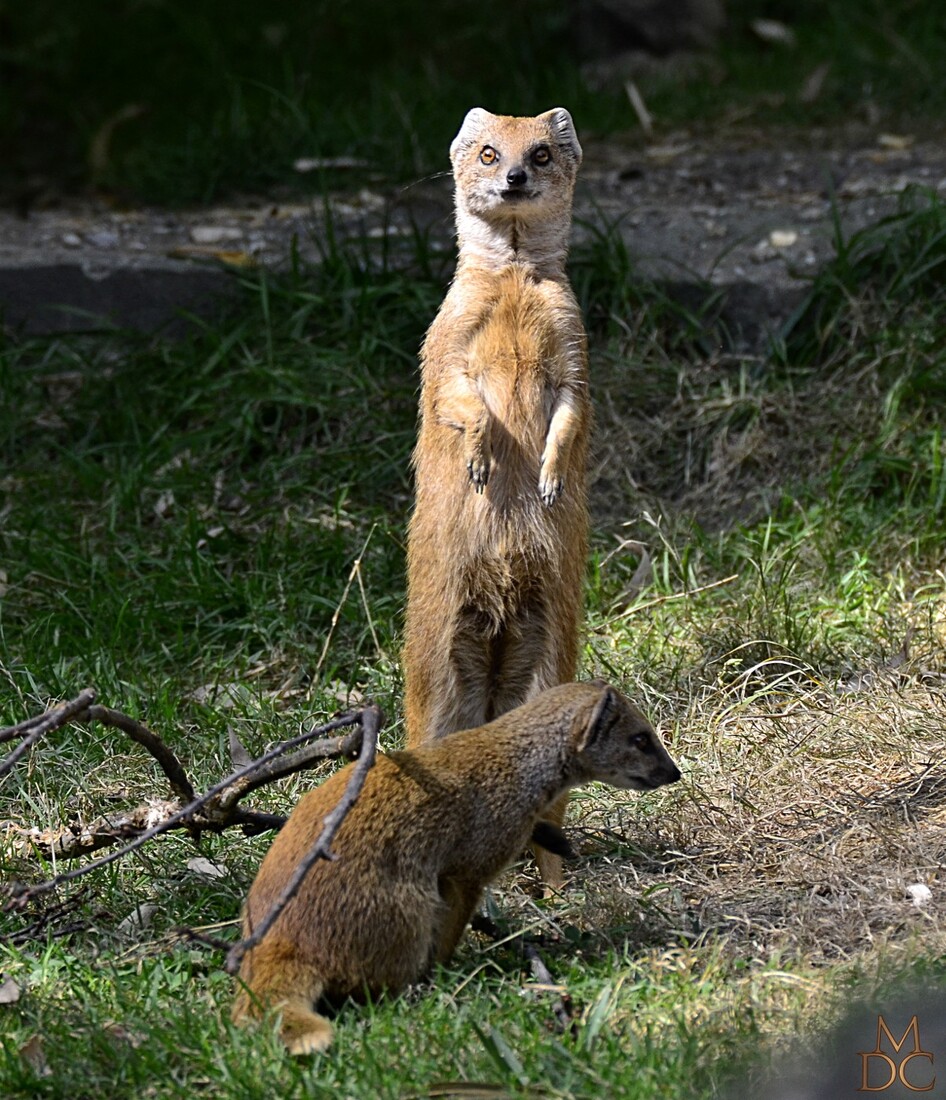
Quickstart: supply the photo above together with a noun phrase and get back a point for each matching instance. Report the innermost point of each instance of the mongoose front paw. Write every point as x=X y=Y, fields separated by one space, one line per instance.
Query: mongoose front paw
x=479 y=473
x=550 y=489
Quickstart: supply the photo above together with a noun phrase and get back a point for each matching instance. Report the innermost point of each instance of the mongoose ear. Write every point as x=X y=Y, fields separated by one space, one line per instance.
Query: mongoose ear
x=564 y=129
x=602 y=717
x=475 y=118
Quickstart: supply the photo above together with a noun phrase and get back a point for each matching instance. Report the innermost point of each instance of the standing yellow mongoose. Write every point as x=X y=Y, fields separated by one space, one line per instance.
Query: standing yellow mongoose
x=431 y=827
x=498 y=538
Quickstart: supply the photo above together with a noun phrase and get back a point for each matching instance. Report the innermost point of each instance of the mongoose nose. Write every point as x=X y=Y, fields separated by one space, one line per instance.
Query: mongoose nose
x=516 y=177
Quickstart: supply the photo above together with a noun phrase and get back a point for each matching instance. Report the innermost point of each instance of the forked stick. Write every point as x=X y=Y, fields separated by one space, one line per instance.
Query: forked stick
x=213 y=811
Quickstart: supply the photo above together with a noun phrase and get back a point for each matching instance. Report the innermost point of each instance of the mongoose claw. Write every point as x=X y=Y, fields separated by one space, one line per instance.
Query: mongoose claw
x=479 y=473
x=550 y=489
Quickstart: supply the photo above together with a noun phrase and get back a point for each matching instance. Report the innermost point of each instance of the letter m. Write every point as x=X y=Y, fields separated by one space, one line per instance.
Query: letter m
x=913 y=1029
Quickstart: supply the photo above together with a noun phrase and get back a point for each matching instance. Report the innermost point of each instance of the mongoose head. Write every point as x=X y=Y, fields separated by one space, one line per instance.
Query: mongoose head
x=615 y=744
x=516 y=168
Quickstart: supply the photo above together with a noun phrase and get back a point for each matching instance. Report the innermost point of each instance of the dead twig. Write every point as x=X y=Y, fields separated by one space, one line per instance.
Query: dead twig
x=562 y=1008
x=52 y=921
x=322 y=848
x=644 y=117
x=277 y=765
x=355 y=572
x=137 y=731
x=34 y=728
x=635 y=608
x=213 y=811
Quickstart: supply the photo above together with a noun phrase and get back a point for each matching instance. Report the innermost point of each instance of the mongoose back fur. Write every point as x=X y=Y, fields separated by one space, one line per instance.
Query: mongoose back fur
x=431 y=828
x=498 y=538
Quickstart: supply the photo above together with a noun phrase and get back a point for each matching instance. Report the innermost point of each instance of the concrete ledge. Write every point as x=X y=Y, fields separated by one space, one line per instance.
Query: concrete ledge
x=750 y=224
x=49 y=298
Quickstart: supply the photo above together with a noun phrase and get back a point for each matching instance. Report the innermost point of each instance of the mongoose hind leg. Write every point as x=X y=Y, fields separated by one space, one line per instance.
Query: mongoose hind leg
x=303 y=1030
x=524 y=657
x=535 y=656
x=448 y=688
x=552 y=839
x=276 y=977
x=460 y=899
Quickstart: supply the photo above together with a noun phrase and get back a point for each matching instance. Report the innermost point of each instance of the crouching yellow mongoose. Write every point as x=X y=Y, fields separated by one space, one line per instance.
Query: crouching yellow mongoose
x=431 y=827
x=498 y=537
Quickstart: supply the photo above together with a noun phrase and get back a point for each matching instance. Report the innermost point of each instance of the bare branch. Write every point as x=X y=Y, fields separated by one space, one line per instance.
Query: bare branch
x=212 y=811
x=371 y=719
x=254 y=822
x=137 y=731
x=74 y=841
x=34 y=728
x=53 y=920
x=275 y=765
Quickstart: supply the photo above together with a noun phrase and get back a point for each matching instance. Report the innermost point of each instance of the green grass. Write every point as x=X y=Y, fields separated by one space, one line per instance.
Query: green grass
x=185 y=103
x=179 y=521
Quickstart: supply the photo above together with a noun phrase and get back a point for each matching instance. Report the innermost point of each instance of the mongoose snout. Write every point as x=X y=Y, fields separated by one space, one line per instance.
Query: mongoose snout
x=430 y=829
x=631 y=755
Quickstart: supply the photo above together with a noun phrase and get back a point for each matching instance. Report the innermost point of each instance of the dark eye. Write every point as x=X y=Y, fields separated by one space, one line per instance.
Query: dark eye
x=641 y=741
x=488 y=155
x=542 y=155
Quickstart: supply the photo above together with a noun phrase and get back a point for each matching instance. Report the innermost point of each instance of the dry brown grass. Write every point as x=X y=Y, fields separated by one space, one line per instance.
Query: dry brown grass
x=799 y=824
x=815 y=791
x=726 y=444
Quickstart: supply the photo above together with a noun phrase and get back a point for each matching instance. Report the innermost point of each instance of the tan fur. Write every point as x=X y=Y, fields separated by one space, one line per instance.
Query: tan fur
x=431 y=828
x=498 y=538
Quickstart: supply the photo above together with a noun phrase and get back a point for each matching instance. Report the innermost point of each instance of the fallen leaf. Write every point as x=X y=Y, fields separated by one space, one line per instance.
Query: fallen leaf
x=9 y=991
x=122 y=1034
x=773 y=31
x=164 y=504
x=636 y=100
x=215 y=234
x=664 y=153
x=138 y=919
x=230 y=257
x=220 y=695
x=239 y=757
x=814 y=83
x=201 y=866
x=782 y=238
x=347 y=696
x=34 y=1055
x=919 y=894
x=313 y=164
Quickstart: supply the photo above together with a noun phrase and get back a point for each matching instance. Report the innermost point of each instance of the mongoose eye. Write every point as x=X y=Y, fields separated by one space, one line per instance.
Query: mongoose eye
x=542 y=155
x=488 y=155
